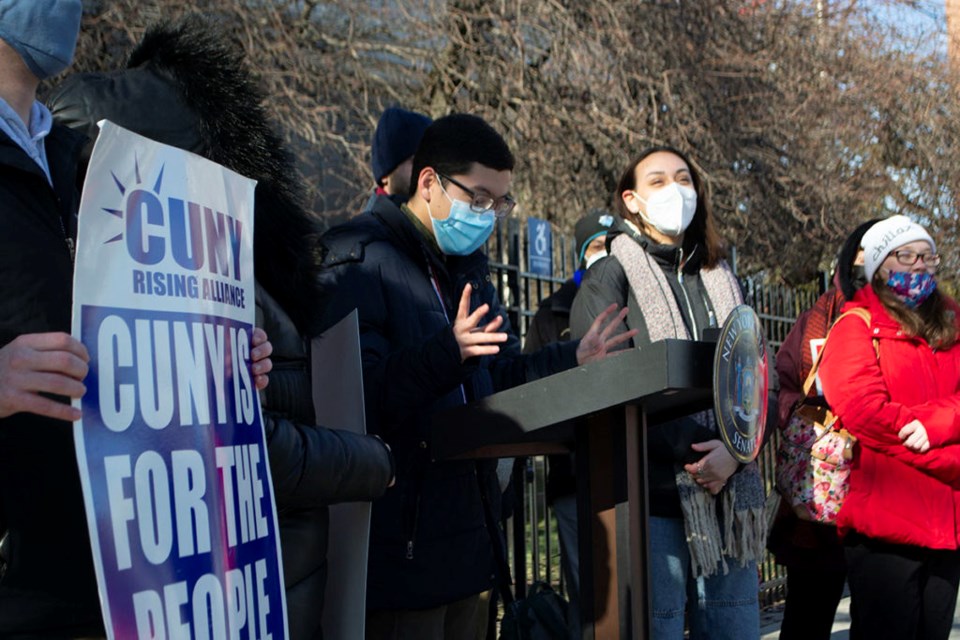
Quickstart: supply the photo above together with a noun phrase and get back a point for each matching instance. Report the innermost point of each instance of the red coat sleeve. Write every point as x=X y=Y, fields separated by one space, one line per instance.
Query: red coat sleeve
x=941 y=417
x=854 y=386
x=856 y=391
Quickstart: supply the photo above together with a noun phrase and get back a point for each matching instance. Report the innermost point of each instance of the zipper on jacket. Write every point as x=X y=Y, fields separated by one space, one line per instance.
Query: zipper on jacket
x=71 y=245
x=693 y=320
x=413 y=532
x=711 y=316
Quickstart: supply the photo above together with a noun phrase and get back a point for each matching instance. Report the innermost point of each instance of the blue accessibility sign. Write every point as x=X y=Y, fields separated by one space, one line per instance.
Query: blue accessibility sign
x=539 y=247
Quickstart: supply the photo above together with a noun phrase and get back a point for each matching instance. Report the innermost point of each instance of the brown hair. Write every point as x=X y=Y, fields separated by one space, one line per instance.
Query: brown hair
x=932 y=320
x=702 y=229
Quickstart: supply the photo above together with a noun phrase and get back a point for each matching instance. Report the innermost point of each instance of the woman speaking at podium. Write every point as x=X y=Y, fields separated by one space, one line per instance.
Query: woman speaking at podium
x=706 y=530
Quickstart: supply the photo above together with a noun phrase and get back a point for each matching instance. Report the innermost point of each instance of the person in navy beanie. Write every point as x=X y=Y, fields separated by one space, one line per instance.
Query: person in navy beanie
x=394 y=142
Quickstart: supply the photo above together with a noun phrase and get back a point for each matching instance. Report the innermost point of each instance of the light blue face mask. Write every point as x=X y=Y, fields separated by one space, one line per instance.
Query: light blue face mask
x=463 y=231
x=43 y=32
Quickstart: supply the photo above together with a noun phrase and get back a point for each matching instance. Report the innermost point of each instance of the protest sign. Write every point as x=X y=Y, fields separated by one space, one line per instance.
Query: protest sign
x=338 y=403
x=171 y=447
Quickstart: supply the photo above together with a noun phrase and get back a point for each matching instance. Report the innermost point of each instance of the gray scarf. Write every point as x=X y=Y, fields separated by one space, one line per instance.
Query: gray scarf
x=743 y=537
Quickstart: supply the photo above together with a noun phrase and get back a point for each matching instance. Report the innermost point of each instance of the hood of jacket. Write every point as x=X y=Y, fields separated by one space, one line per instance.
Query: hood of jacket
x=186 y=85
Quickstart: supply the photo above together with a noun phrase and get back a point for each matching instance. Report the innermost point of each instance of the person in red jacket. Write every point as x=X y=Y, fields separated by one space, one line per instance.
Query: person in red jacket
x=894 y=384
x=811 y=551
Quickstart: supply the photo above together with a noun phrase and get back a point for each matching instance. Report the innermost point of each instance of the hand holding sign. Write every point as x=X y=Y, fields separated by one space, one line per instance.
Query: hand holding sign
x=260 y=363
x=41 y=363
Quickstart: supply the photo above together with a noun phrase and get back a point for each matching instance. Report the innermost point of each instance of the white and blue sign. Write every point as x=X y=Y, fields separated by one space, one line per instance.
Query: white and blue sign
x=171 y=446
x=540 y=247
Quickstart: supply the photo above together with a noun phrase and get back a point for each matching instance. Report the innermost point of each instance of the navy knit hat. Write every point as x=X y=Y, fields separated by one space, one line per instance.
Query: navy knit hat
x=397 y=137
x=43 y=32
x=591 y=226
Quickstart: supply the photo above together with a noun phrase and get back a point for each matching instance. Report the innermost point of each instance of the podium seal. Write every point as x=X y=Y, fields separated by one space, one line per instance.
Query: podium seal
x=740 y=383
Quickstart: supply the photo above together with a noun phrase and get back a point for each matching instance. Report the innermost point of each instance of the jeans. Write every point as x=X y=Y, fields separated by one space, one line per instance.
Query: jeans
x=721 y=606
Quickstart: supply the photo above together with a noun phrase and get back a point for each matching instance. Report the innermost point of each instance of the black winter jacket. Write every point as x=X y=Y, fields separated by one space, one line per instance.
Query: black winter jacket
x=48 y=587
x=668 y=444
x=551 y=323
x=429 y=545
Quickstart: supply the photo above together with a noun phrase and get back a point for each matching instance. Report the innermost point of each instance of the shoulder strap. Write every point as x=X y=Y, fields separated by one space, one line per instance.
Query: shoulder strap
x=861 y=313
x=501 y=566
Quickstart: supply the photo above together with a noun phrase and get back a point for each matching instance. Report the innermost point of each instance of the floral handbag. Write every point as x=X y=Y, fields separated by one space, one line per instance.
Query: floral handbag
x=815 y=454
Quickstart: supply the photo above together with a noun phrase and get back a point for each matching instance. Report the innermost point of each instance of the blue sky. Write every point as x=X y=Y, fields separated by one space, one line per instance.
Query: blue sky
x=922 y=25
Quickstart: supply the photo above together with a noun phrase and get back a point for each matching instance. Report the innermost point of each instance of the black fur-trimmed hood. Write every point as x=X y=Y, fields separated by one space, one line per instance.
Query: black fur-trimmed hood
x=186 y=84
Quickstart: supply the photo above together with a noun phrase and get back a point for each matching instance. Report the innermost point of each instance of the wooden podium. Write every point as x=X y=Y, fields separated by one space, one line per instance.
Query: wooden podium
x=603 y=409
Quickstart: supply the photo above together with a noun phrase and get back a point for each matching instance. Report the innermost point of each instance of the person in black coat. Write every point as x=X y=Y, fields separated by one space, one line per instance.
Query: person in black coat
x=186 y=85
x=552 y=324
x=434 y=336
x=812 y=551
x=48 y=588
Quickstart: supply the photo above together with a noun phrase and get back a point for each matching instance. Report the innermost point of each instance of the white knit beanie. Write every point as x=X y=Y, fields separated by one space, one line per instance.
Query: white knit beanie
x=887 y=236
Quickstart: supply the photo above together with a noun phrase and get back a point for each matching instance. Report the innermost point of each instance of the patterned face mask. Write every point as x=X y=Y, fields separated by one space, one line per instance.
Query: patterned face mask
x=912 y=288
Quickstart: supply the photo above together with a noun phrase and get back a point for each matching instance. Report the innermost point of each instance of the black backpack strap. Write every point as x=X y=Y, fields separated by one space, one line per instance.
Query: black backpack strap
x=502 y=569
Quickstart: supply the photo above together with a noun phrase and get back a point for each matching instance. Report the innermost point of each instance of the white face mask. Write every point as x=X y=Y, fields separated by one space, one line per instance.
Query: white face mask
x=589 y=262
x=670 y=210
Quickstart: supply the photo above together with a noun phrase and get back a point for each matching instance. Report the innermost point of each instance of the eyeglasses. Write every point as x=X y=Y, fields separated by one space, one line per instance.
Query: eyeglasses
x=909 y=258
x=480 y=203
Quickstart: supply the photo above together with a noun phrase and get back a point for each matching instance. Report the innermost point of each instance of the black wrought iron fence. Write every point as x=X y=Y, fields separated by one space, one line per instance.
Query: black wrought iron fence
x=534 y=549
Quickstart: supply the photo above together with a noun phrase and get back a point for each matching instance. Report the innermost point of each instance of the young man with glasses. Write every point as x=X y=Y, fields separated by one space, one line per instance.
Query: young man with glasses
x=434 y=336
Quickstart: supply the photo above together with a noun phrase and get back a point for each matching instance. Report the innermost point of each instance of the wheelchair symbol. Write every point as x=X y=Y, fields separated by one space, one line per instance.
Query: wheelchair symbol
x=540 y=244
